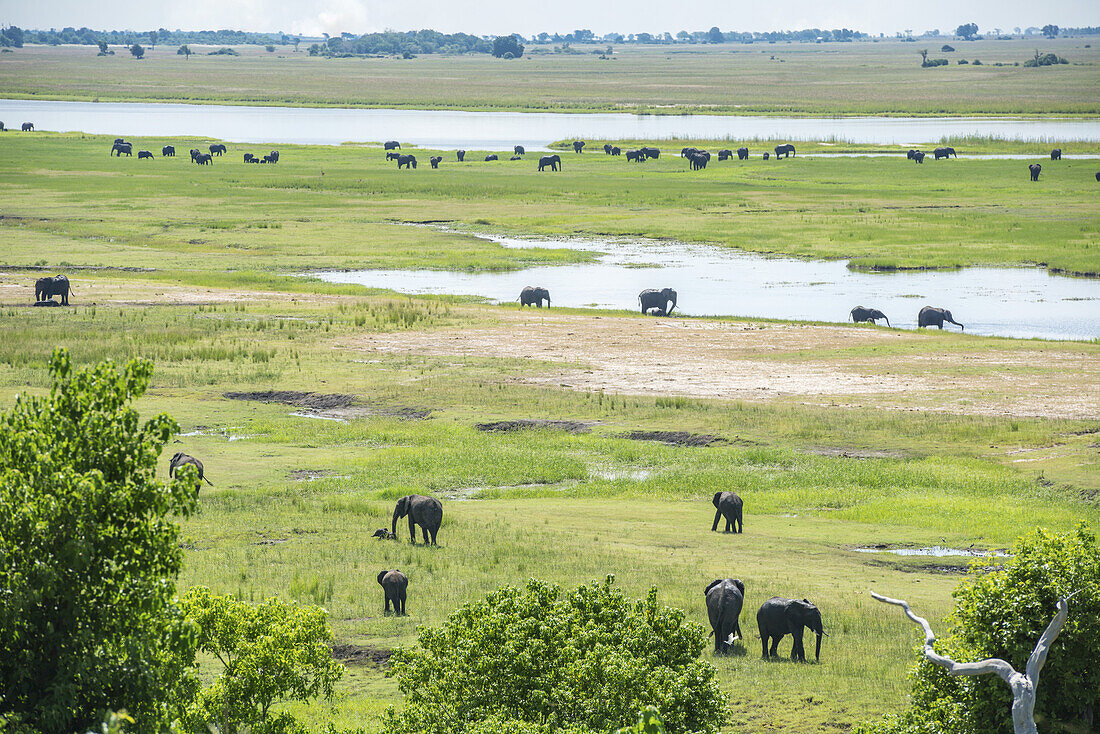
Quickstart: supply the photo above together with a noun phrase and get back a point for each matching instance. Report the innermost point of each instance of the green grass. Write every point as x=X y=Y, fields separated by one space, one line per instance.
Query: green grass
x=880 y=78
x=68 y=203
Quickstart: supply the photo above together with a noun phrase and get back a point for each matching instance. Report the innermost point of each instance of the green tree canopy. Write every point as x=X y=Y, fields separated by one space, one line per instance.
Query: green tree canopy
x=137 y=51
x=508 y=45
x=967 y=31
x=88 y=554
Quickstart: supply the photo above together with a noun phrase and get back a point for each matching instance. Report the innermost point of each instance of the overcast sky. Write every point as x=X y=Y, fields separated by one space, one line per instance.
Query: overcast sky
x=311 y=17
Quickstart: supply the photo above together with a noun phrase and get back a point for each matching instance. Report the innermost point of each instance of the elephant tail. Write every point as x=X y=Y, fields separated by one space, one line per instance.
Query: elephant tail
x=208 y=481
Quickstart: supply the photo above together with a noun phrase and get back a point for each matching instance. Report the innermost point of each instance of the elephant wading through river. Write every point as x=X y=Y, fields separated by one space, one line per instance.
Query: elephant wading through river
x=778 y=617
x=729 y=506
x=554 y=161
x=533 y=295
x=650 y=299
x=861 y=314
x=931 y=316
x=394 y=584
x=725 y=597
x=427 y=512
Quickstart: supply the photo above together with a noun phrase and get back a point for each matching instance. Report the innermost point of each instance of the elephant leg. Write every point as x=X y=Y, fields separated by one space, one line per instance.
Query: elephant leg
x=434 y=531
x=412 y=530
x=775 y=646
x=740 y=523
x=729 y=526
x=387 y=610
x=717 y=513
x=797 y=651
x=763 y=646
x=401 y=599
x=424 y=532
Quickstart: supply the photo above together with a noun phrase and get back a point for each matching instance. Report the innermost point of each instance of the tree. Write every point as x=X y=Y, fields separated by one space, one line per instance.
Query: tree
x=102 y=47
x=297 y=40
x=715 y=36
x=947 y=48
x=269 y=48
x=1001 y=614
x=508 y=45
x=184 y=51
x=539 y=659
x=1050 y=31
x=137 y=51
x=89 y=553
x=271 y=652
x=967 y=31
x=152 y=40
x=923 y=57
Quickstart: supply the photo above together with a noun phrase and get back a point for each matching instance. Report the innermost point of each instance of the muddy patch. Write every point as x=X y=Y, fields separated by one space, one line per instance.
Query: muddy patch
x=531 y=424
x=936 y=551
x=331 y=406
x=350 y=654
x=848 y=453
x=316 y=401
x=677 y=438
x=308 y=475
x=945 y=569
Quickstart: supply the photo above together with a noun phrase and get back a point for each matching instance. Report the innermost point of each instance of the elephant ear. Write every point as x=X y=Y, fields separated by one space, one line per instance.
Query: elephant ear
x=740 y=586
x=382 y=575
x=711 y=585
x=717 y=498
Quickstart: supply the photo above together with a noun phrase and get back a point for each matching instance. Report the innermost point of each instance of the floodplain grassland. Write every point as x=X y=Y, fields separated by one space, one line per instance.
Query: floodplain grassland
x=329 y=207
x=866 y=78
x=213 y=300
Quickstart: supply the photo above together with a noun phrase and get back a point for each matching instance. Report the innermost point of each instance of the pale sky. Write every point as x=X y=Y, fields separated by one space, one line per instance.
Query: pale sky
x=489 y=17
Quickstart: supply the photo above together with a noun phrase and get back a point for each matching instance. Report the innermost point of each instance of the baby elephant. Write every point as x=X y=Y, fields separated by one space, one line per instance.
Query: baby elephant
x=778 y=617
x=729 y=506
x=384 y=534
x=394 y=583
x=181 y=459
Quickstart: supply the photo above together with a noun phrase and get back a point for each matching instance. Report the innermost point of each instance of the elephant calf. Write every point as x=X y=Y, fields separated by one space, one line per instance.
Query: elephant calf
x=725 y=597
x=394 y=584
x=778 y=617
x=729 y=506
x=384 y=534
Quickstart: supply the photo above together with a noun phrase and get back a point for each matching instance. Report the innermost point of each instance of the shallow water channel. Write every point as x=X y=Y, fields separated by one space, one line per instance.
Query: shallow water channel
x=1016 y=302
x=502 y=130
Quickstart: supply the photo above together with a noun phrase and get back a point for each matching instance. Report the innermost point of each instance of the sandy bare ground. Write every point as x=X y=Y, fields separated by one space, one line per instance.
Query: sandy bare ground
x=744 y=361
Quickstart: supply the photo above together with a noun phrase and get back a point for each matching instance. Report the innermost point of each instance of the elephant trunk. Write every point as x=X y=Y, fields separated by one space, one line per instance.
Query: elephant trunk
x=672 y=306
x=817 y=652
x=887 y=321
x=393 y=525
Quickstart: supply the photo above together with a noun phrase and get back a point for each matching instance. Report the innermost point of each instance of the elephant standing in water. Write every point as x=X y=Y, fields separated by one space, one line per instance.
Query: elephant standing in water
x=394 y=583
x=181 y=459
x=1035 y=169
x=578 y=146
x=931 y=316
x=730 y=506
x=650 y=298
x=861 y=314
x=784 y=150
x=778 y=617
x=47 y=288
x=534 y=295
x=725 y=597
x=554 y=161
x=427 y=512
x=944 y=153
x=1056 y=154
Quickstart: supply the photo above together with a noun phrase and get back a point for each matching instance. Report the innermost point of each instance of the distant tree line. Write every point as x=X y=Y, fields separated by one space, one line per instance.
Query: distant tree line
x=15 y=36
x=402 y=43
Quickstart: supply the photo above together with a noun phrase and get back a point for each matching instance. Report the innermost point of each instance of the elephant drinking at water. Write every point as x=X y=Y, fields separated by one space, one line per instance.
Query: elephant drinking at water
x=861 y=314
x=778 y=617
x=725 y=597
x=650 y=299
x=427 y=512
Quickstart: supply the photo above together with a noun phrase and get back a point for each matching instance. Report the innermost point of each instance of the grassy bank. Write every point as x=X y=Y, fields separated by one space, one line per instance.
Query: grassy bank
x=68 y=203
x=880 y=78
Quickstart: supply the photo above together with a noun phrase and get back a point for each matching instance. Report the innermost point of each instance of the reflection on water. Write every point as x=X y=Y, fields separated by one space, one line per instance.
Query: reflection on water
x=502 y=130
x=1017 y=302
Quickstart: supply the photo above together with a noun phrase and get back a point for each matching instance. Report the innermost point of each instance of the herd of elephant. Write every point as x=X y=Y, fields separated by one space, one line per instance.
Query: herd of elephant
x=121 y=147
x=28 y=127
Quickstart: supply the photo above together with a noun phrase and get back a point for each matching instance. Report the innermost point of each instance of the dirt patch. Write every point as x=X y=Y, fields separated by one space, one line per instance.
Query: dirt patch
x=350 y=654
x=855 y=453
x=305 y=475
x=333 y=406
x=530 y=424
x=677 y=438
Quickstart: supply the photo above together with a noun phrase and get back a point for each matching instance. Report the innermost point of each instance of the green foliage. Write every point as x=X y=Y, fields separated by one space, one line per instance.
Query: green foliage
x=88 y=553
x=137 y=51
x=1002 y=614
x=184 y=51
x=1044 y=60
x=504 y=45
x=271 y=652
x=224 y=51
x=114 y=722
x=649 y=722
x=967 y=31
x=540 y=660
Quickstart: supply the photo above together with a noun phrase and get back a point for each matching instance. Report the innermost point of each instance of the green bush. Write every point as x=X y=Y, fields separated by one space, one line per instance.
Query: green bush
x=541 y=661
x=1002 y=614
x=934 y=62
x=88 y=555
x=1044 y=60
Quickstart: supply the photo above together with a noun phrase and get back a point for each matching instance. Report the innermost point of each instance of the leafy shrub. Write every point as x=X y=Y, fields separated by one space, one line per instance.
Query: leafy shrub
x=269 y=48
x=88 y=555
x=270 y=652
x=137 y=51
x=540 y=661
x=224 y=51
x=977 y=62
x=1044 y=60
x=963 y=61
x=934 y=62
x=1002 y=614
x=946 y=49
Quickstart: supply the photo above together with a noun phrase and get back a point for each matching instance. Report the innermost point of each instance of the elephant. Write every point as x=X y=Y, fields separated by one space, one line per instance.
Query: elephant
x=516 y=158
x=181 y=459
x=910 y=153
x=168 y=151
x=635 y=155
x=269 y=158
x=406 y=161
x=554 y=161
x=2 y=128
x=145 y=154
x=204 y=159
x=274 y=156
x=1098 y=175
x=784 y=150
x=28 y=127
x=427 y=512
x=944 y=153
x=534 y=295
x=606 y=147
x=120 y=148
x=699 y=160
x=778 y=617
x=1035 y=168
x=931 y=316
x=765 y=155
x=195 y=153
x=46 y=288
x=394 y=583
x=391 y=145
x=434 y=160
x=578 y=146
x=217 y=149
x=725 y=597
x=384 y=534
x=729 y=506
x=492 y=157
x=1056 y=154
x=687 y=152
x=742 y=154
x=650 y=298
x=650 y=152
x=615 y=150
x=249 y=158
x=862 y=314
x=519 y=150
x=725 y=155
x=392 y=156
x=918 y=156
x=48 y=304
x=461 y=155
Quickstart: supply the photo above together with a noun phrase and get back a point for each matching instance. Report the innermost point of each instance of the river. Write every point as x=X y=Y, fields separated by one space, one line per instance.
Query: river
x=501 y=130
x=1015 y=302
